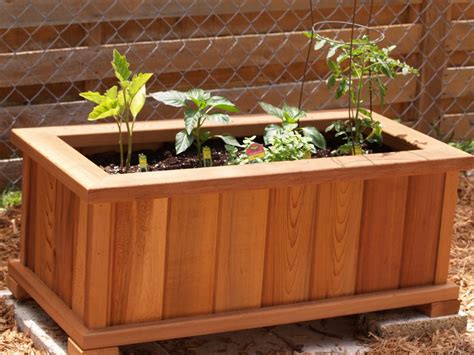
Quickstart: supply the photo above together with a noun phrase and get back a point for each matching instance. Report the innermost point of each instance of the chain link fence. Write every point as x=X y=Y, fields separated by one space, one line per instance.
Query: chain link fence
x=247 y=50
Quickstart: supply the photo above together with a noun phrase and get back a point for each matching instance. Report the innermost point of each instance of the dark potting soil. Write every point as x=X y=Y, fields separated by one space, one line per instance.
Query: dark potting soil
x=165 y=157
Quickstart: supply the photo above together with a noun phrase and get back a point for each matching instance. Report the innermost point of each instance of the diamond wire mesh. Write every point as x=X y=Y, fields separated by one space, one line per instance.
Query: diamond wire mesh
x=247 y=50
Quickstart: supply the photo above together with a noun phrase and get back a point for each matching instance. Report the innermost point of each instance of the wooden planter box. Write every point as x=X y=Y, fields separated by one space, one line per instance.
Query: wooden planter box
x=127 y=259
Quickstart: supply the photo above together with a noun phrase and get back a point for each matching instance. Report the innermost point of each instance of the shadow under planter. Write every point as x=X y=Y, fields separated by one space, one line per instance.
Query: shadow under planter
x=123 y=259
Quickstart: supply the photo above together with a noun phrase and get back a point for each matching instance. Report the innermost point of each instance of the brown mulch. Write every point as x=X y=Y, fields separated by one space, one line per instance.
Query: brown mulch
x=450 y=341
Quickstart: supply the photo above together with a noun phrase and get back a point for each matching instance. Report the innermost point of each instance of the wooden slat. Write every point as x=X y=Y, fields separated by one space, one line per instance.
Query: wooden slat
x=80 y=261
x=450 y=197
x=461 y=36
x=97 y=265
x=139 y=261
x=174 y=55
x=21 y=13
x=26 y=188
x=337 y=239
x=241 y=250
x=457 y=126
x=458 y=82
x=289 y=245
x=422 y=227
x=66 y=211
x=45 y=221
x=190 y=255
x=380 y=245
x=31 y=223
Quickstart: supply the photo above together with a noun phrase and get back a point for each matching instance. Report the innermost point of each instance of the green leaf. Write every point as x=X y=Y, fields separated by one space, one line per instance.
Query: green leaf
x=138 y=102
x=341 y=89
x=191 y=118
x=270 y=132
x=112 y=92
x=199 y=97
x=229 y=140
x=120 y=65
x=331 y=81
x=204 y=136
x=316 y=137
x=320 y=44
x=138 y=81
x=271 y=110
x=333 y=66
x=221 y=103
x=108 y=108
x=219 y=118
x=183 y=141
x=93 y=96
x=171 y=98
x=332 y=52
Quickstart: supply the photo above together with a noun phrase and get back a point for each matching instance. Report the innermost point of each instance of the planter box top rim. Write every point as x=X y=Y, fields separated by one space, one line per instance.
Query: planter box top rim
x=54 y=149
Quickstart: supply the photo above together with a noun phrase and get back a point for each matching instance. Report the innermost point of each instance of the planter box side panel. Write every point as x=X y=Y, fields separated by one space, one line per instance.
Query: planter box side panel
x=51 y=231
x=151 y=259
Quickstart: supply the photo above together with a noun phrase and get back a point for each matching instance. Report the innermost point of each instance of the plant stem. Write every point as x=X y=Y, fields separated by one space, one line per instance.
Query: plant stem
x=129 y=131
x=119 y=125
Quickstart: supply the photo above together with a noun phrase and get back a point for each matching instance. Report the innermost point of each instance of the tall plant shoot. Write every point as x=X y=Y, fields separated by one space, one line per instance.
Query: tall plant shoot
x=123 y=103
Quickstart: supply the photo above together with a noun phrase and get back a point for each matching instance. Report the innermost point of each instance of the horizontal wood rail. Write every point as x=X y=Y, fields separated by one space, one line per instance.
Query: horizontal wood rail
x=229 y=321
x=72 y=11
x=63 y=65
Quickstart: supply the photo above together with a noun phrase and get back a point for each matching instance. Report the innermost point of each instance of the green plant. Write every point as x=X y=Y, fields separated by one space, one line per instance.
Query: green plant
x=357 y=63
x=290 y=119
x=10 y=198
x=199 y=107
x=286 y=144
x=123 y=104
x=289 y=144
x=464 y=145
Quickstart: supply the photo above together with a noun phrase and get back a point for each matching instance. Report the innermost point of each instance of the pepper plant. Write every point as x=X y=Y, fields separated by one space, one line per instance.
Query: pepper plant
x=123 y=103
x=199 y=107
x=290 y=119
x=353 y=66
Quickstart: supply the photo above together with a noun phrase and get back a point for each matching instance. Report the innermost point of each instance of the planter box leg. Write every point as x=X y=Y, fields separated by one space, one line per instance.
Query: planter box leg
x=18 y=292
x=74 y=349
x=440 y=309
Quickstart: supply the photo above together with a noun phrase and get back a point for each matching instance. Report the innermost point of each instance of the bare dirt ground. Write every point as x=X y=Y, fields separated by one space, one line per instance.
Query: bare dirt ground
x=461 y=271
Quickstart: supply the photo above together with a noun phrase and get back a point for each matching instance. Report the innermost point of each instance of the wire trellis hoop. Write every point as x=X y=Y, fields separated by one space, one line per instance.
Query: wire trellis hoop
x=341 y=25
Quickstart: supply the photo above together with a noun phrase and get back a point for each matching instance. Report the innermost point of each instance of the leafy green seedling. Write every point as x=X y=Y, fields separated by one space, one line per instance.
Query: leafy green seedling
x=122 y=103
x=465 y=145
x=290 y=119
x=369 y=65
x=199 y=107
x=10 y=198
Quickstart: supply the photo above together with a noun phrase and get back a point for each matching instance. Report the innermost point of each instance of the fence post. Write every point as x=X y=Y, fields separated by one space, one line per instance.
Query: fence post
x=436 y=22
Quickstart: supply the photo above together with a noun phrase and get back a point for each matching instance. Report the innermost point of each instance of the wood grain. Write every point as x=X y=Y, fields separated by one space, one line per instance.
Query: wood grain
x=78 y=279
x=241 y=250
x=422 y=226
x=337 y=239
x=191 y=255
x=97 y=265
x=25 y=208
x=30 y=235
x=289 y=245
x=45 y=219
x=380 y=244
x=66 y=211
x=450 y=198
x=138 y=261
